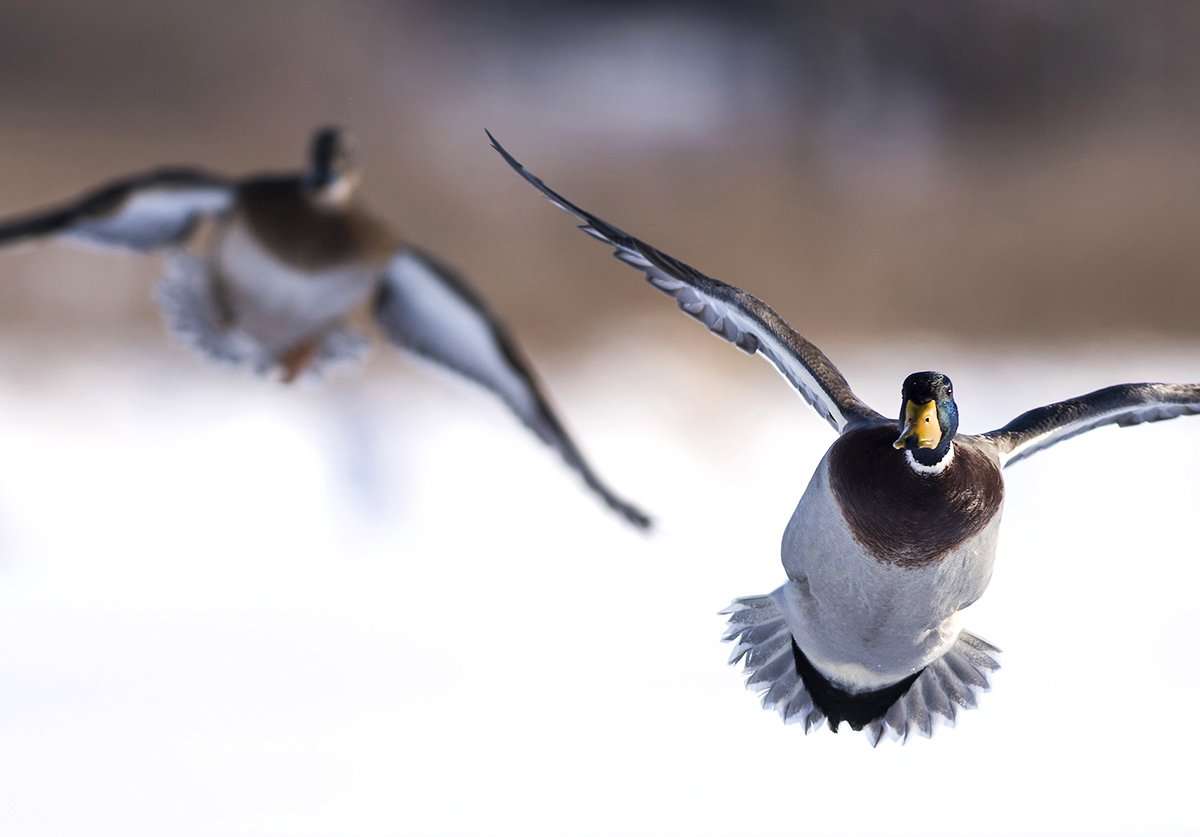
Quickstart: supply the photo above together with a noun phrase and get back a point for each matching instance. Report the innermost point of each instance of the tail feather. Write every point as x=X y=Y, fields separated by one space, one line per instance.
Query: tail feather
x=194 y=315
x=774 y=667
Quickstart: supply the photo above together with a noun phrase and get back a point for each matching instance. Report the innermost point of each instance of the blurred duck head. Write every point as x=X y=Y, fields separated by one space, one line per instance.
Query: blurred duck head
x=333 y=174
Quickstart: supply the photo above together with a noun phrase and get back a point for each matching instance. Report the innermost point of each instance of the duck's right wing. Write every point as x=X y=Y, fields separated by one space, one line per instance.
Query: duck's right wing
x=143 y=212
x=727 y=311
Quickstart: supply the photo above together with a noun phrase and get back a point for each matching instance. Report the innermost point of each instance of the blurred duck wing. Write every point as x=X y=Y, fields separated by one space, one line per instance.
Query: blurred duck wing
x=727 y=311
x=425 y=307
x=1123 y=405
x=143 y=212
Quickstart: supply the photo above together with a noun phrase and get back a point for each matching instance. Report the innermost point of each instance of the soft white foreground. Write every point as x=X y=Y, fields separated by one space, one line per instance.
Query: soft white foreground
x=377 y=607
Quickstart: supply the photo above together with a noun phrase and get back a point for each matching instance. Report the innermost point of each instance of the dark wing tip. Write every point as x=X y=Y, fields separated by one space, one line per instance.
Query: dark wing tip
x=628 y=511
x=539 y=184
x=503 y=152
x=35 y=225
x=633 y=515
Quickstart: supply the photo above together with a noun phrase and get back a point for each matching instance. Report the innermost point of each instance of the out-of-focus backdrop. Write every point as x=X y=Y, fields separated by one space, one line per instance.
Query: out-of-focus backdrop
x=375 y=606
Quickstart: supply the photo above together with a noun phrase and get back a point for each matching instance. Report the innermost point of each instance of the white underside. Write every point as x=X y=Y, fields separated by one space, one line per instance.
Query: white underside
x=279 y=305
x=193 y=316
x=853 y=676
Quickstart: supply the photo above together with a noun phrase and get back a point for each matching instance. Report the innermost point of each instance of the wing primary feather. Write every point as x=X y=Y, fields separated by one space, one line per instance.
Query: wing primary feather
x=748 y=343
x=727 y=311
x=1124 y=405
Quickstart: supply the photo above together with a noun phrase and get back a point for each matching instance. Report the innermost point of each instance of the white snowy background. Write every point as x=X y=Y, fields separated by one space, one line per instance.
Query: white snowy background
x=377 y=606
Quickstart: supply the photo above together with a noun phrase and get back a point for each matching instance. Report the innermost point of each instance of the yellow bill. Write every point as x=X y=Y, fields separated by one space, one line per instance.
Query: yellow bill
x=921 y=423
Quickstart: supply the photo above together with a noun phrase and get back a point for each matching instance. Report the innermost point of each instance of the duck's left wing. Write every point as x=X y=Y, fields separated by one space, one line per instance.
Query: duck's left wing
x=727 y=311
x=1122 y=405
x=425 y=307
x=142 y=212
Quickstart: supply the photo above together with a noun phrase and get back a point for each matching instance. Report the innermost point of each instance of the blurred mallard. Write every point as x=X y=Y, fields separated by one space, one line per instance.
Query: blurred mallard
x=896 y=533
x=292 y=257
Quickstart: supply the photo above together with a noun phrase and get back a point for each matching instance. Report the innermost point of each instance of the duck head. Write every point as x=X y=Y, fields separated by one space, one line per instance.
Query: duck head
x=333 y=174
x=929 y=418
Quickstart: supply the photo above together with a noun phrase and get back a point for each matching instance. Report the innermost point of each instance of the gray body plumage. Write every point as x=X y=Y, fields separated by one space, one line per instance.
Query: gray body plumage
x=863 y=622
x=277 y=305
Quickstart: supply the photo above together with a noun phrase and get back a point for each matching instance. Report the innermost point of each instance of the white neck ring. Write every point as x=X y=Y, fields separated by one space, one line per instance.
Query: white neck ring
x=934 y=469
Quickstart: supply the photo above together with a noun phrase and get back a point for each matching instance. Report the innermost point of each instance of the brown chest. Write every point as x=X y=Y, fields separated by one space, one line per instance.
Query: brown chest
x=906 y=518
x=309 y=238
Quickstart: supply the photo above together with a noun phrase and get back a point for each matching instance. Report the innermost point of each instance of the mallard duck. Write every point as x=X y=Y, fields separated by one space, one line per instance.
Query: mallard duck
x=896 y=532
x=291 y=258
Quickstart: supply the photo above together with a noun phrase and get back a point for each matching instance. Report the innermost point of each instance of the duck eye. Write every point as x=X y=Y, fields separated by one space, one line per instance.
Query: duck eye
x=927 y=419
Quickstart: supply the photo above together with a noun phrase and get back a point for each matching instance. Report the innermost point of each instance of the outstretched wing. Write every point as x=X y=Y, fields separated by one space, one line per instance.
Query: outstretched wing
x=729 y=312
x=142 y=212
x=1123 y=405
x=424 y=306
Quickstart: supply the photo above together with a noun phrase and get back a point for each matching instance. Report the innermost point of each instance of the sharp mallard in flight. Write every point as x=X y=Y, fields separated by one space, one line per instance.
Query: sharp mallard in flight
x=292 y=257
x=896 y=533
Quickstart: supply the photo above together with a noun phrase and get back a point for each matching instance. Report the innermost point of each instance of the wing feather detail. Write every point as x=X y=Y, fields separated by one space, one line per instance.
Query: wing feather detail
x=1123 y=405
x=727 y=311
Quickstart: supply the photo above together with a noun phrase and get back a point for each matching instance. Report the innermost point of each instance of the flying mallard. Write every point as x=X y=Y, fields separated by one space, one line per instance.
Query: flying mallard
x=896 y=533
x=291 y=258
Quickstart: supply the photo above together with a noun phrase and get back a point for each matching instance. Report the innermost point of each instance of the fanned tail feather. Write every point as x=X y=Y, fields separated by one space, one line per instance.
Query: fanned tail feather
x=340 y=346
x=190 y=306
x=762 y=637
x=763 y=640
x=193 y=314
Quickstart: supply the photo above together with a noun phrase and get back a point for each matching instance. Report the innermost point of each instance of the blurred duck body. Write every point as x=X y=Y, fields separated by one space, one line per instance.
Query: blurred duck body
x=292 y=257
x=289 y=264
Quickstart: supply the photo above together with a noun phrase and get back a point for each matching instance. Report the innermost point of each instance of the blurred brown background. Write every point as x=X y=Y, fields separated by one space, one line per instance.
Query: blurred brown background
x=1004 y=170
